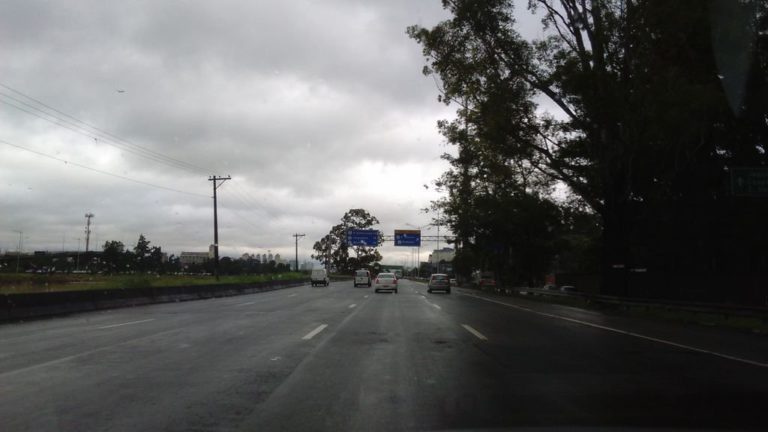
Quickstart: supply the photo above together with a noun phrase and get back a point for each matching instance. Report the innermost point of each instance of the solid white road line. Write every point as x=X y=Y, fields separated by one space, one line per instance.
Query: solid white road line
x=314 y=332
x=624 y=332
x=245 y=304
x=474 y=332
x=292 y=295
x=365 y=296
x=352 y=305
x=127 y=323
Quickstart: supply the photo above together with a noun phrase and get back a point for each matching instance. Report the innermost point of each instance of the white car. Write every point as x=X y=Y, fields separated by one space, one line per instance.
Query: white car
x=385 y=281
x=362 y=278
x=319 y=277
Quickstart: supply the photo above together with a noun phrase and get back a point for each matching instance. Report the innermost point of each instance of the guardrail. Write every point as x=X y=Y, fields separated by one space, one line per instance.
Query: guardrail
x=725 y=310
x=21 y=306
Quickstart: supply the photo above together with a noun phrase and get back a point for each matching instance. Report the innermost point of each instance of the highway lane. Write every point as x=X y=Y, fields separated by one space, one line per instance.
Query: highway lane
x=344 y=358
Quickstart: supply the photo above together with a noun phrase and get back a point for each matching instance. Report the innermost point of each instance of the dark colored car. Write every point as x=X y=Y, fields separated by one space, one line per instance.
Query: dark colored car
x=439 y=282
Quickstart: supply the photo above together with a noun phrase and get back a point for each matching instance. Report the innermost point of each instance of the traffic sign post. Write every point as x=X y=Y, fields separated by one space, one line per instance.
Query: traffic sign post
x=408 y=238
x=360 y=237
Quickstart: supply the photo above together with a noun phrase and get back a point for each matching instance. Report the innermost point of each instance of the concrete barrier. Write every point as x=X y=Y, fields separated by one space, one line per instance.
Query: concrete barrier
x=24 y=306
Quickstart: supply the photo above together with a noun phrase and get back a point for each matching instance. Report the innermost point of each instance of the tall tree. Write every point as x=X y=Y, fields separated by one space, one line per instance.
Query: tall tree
x=642 y=132
x=113 y=256
x=142 y=253
x=333 y=248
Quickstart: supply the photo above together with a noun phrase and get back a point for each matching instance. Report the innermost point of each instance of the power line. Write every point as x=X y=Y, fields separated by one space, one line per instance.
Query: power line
x=90 y=131
x=157 y=154
x=104 y=135
x=96 y=137
x=101 y=171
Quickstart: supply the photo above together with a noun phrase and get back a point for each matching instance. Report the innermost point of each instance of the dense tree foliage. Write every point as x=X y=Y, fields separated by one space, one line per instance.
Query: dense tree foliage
x=333 y=250
x=655 y=103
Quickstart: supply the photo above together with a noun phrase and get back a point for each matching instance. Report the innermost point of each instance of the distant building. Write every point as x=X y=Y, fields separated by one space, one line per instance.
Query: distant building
x=264 y=258
x=187 y=258
x=278 y=259
x=307 y=265
x=444 y=254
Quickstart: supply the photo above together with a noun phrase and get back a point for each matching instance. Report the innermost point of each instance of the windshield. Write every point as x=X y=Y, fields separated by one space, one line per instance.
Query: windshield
x=383 y=215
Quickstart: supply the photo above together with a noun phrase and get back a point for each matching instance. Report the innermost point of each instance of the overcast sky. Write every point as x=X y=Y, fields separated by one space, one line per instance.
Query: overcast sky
x=313 y=107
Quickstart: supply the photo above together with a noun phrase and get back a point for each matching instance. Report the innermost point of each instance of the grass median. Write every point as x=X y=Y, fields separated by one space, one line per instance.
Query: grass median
x=34 y=283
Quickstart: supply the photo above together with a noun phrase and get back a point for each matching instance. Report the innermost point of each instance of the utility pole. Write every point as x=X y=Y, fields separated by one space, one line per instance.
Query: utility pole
x=438 y=241
x=77 y=262
x=18 y=251
x=88 y=217
x=297 y=235
x=214 y=179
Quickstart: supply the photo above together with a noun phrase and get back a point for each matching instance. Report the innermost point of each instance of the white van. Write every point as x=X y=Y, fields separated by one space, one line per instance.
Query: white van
x=319 y=277
x=362 y=277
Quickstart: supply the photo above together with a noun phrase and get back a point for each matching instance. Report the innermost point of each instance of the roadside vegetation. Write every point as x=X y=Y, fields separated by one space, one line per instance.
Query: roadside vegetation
x=22 y=283
x=621 y=142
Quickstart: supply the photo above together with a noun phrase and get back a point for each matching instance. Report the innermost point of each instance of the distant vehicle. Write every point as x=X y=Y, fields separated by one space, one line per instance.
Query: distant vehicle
x=439 y=282
x=568 y=288
x=362 y=278
x=550 y=287
x=319 y=277
x=484 y=280
x=398 y=274
x=385 y=281
x=453 y=282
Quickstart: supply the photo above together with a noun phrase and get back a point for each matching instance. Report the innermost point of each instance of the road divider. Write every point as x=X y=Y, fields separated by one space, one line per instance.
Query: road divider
x=23 y=306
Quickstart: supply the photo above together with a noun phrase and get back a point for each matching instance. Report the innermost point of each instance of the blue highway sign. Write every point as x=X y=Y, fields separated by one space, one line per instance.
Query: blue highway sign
x=410 y=238
x=360 y=237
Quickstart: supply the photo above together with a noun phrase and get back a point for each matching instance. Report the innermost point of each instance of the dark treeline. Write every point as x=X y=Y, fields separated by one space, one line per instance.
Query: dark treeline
x=116 y=258
x=145 y=258
x=611 y=145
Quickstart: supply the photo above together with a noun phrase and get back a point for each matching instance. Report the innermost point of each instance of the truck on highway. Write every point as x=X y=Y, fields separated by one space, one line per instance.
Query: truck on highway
x=319 y=277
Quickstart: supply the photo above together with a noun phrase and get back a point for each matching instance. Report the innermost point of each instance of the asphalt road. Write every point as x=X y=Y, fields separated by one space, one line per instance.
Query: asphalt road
x=343 y=358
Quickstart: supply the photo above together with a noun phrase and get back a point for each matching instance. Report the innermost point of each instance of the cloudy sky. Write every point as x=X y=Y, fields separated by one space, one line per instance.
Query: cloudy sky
x=313 y=107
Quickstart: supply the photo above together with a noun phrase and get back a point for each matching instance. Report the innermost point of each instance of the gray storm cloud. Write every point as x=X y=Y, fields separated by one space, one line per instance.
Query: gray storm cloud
x=313 y=108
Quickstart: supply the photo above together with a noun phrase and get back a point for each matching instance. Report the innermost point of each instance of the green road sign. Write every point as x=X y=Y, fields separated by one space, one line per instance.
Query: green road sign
x=751 y=182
